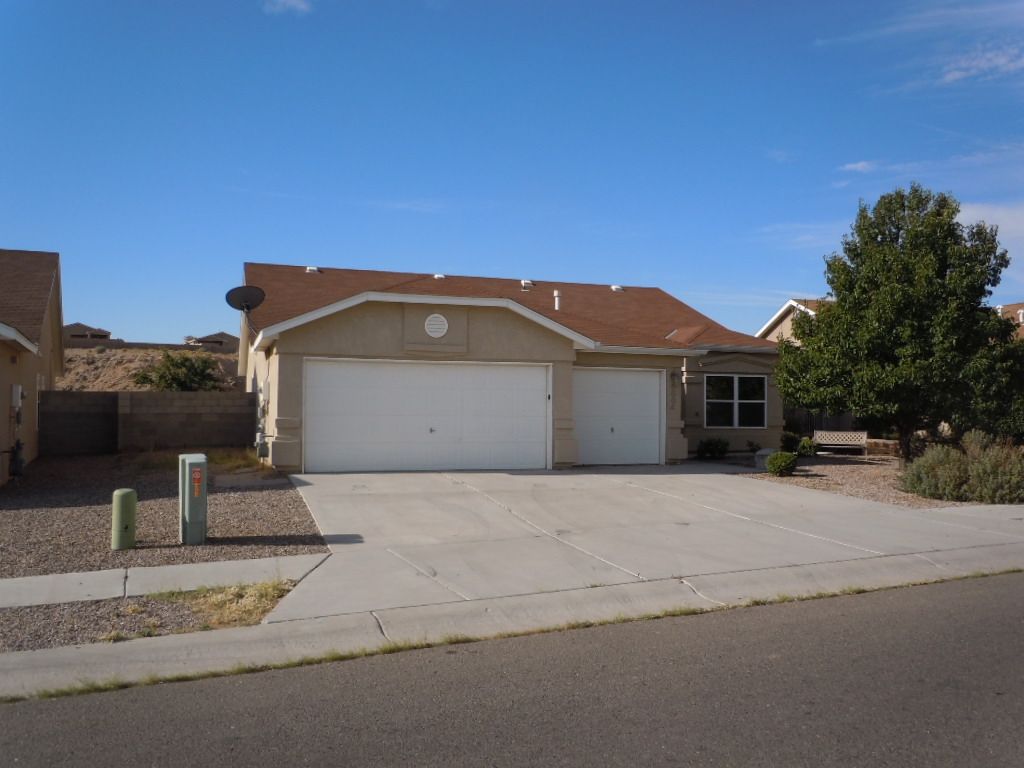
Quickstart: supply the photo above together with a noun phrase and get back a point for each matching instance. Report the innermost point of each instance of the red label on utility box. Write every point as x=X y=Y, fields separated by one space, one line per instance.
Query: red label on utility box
x=197 y=481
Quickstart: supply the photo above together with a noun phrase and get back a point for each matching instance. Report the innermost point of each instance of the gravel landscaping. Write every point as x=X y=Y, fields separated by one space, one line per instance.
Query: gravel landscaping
x=46 y=626
x=876 y=478
x=35 y=627
x=57 y=518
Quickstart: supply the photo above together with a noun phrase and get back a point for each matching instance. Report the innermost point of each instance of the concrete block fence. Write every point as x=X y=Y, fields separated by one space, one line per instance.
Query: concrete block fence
x=110 y=422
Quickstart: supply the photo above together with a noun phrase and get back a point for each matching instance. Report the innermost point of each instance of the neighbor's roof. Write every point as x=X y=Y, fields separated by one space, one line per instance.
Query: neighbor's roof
x=634 y=317
x=82 y=327
x=30 y=278
x=801 y=305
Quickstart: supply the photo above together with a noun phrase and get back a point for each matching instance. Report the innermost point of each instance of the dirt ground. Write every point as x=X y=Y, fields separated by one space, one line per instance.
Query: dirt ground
x=56 y=519
x=867 y=477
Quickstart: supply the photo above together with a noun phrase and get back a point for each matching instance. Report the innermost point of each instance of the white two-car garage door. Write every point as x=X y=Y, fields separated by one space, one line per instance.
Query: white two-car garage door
x=373 y=415
x=618 y=415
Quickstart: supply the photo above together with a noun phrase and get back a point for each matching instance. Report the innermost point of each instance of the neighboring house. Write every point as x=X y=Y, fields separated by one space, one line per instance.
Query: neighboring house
x=215 y=342
x=1014 y=312
x=31 y=350
x=780 y=327
x=82 y=331
x=364 y=370
x=781 y=324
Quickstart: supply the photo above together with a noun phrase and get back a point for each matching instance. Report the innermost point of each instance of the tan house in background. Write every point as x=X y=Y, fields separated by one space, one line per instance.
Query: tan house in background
x=1014 y=312
x=31 y=350
x=364 y=370
x=781 y=324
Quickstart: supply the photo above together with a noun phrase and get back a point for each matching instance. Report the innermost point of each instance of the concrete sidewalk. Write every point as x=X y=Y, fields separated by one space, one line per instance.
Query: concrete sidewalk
x=27 y=672
x=133 y=582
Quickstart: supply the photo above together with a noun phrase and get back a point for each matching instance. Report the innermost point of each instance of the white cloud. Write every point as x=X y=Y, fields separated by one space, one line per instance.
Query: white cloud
x=409 y=206
x=826 y=235
x=861 y=166
x=988 y=16
x=298 y=7
x=780 y=156
x=987 y=64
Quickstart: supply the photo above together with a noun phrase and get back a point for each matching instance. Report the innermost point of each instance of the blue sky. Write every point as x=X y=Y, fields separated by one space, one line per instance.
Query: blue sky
x=717 y=150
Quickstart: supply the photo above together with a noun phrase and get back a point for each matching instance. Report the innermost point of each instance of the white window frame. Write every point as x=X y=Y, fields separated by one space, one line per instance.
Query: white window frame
x=736 y=399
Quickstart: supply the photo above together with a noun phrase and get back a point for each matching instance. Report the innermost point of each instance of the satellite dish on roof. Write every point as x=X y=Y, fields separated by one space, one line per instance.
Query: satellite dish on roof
x=245 y=298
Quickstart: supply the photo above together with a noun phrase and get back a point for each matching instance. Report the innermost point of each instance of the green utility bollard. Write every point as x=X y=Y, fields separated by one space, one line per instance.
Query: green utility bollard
x=122 y=519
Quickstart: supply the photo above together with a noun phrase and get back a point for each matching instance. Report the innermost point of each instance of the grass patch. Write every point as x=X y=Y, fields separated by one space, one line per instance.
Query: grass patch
x=115 y=684
x=239 y=606
x=233 y=459
x=221 y=459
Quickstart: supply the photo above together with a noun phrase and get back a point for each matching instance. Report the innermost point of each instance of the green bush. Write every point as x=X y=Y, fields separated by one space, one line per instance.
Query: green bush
x=997 y=475
x=753 y=447
x=180 y=372
x=940 y=473
x=712 y=448
x=807 y=447
x=976 y=443
x=790 y=442
x=781 y=464
x=985 y=471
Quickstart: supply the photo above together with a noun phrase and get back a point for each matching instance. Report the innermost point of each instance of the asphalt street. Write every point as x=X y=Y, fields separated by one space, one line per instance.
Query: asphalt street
x=923 y=676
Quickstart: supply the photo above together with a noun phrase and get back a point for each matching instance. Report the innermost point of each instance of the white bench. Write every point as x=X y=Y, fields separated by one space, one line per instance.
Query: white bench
x=836 y=439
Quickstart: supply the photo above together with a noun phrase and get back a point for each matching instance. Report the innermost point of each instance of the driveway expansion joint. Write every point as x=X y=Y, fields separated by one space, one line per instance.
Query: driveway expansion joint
x=754 y=520
x=380 y=625
x=432 y=576
x=544 y=531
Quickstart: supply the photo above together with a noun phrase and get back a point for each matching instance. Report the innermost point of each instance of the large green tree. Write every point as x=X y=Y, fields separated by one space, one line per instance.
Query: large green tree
x=909 y=340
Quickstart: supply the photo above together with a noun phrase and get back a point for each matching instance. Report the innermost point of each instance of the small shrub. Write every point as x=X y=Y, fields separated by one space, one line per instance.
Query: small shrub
x=180 y=372
x=997 y=475
x=985 y=470
x=781 y=464
x=807 y=447
x=753 y=447
x=941 y=472
x=790 y=442
x=712 y=448
x=976 y=443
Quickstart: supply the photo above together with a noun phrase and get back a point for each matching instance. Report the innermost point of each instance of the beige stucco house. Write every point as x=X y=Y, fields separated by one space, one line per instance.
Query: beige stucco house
x=780 y=326
x=31 y=350
x=1014 y=312
x=364 y=370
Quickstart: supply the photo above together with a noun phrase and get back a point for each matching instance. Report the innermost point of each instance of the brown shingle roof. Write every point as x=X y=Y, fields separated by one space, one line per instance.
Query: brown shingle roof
x=635 y=317
x=28 y=280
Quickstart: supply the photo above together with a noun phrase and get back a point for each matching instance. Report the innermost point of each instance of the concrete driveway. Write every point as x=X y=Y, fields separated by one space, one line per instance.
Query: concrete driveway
x=429 y=539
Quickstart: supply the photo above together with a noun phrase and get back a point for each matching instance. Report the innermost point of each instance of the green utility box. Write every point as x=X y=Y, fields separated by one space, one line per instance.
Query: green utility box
x=192 y=480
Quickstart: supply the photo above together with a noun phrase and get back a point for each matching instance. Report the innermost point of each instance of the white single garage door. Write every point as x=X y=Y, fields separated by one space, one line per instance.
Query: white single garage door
x=618 y=415
x=371 y=415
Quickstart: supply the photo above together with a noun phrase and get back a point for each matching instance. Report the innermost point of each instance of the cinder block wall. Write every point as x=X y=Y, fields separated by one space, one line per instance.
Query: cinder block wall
x=108 y=422
x=77 y=422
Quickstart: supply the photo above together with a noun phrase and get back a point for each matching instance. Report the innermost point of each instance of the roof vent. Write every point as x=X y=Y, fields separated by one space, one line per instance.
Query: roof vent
x=312 y=270
x=617 y=288
x=439 y=276
x=558 y=300
x=527 y=284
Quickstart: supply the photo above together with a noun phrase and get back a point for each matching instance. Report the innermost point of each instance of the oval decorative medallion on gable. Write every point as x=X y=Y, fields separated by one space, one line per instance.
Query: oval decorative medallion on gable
x=436 y=326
